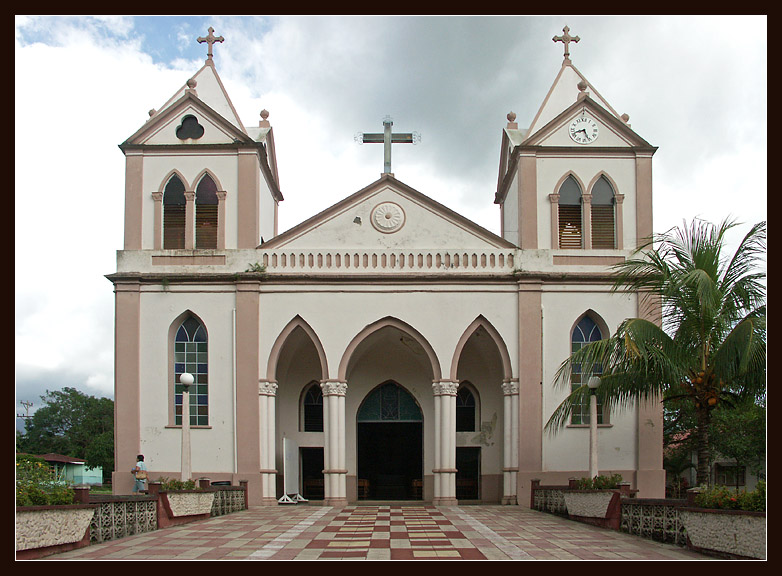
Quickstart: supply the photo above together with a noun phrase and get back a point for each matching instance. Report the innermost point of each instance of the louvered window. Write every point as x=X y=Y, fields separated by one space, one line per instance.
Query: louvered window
x=174 y=214
x=570 y=222
x=603 y=226
x=206 y=214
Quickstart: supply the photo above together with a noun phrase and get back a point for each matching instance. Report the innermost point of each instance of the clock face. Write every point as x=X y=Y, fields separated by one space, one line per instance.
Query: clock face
x=583 y=130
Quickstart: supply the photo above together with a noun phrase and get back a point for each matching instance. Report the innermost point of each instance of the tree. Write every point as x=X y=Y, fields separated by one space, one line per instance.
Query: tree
x=73 y=424
x=710 y=345
x=740 y=434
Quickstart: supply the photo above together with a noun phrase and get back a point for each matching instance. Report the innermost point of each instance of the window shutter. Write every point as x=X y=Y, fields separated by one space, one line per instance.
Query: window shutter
x=569 y=226
x=206 y=226
x=603 y=226
x=173 y=226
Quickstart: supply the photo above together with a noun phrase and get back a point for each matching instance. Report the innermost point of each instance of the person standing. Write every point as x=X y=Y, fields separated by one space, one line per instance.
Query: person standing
x=140 y=474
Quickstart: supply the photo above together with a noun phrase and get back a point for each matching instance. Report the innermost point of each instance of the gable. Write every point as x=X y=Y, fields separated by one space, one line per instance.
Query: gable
x=388 y=215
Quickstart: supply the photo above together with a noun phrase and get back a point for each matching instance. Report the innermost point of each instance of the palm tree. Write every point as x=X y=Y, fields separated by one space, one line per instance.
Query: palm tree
x=710 y=343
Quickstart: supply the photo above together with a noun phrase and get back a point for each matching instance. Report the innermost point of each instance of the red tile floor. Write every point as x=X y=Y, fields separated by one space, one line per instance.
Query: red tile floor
x=383 y=532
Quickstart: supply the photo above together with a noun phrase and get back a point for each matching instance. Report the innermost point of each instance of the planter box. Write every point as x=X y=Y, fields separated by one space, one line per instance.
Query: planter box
x=597 y=507
x=188 y=503
x=44 y=530
x=732 y=532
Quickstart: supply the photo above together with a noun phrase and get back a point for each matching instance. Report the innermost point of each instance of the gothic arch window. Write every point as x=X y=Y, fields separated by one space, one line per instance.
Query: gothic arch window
x=206 y=213
x=585 y=331
x=191 y=355
x=570 y=221
x=312 y=408
x=603 y=214
x=174 y=214
x=466 y=408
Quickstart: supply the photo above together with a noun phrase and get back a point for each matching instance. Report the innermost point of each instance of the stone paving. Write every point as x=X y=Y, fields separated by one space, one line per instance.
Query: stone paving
x=383 y=532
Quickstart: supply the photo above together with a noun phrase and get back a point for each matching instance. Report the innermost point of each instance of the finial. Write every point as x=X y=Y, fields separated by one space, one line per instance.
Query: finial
x=191 y=84
x=511 y=116
x=264 y=118
x=582 y=93
x=210 y=39
x=566 y=39
x=152 y=112
x=625 y=118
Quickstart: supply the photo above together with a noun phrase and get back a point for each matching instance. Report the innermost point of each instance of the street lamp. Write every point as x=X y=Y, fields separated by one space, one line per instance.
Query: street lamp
x=593 y=383
x=186 y=379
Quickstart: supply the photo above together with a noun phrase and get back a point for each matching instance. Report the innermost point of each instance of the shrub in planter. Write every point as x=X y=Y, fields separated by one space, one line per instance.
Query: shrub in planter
x=725 y=498
x=36 y=484
x=599 y=482
x=173 y=485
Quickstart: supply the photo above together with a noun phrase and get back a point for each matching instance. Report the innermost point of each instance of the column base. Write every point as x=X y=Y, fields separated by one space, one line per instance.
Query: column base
x=268 y=501
x=445 y=502
x=509 y=501
x=336 y=502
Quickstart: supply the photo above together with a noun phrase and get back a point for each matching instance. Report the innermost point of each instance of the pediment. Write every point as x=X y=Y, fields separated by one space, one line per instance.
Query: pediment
x=388 y=214
x=187 y=121
x=613 y=132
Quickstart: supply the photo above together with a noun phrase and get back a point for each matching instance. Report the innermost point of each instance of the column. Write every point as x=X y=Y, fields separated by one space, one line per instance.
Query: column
x=554 y=199
x=189 y=219
x=335 y=472
x=267 y=391
x=445 y=437
x=157 y=197
x=619 y=223
x=221 y=194
x=510 y=468
x=586 y=227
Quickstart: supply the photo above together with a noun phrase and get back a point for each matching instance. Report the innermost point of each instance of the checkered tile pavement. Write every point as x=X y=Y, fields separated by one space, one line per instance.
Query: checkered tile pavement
x=395 y=532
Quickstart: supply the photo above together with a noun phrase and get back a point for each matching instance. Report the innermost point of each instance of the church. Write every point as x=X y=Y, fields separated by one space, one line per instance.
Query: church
x=387 y=348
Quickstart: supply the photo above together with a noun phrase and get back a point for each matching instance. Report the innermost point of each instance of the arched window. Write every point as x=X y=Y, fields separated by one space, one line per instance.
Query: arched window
x=585 y=331
x=206 y=213
x=174 y=214
x=312 y=406
x=603 y=229
x=191 y=355
x=465 y=409
x=570 y=223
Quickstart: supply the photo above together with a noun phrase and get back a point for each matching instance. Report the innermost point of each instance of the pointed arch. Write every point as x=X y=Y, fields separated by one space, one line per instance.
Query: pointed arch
x=389 y=321
x=188 y=351
x=570 y=218
x=481 y=321
x=589 y=327
x=603 y=214
x=174 y=208
x=274 y=356
x=206 y=208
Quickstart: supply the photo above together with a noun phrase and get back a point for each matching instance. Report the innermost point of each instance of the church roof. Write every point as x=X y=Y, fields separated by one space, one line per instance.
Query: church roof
x=388 y=214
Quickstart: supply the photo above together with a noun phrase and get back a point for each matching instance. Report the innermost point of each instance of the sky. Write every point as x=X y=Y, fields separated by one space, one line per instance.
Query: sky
x=694 y=86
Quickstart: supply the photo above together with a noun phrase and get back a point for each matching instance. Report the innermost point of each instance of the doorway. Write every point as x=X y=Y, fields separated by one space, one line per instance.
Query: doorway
x=389 y=432
x=312 y=486
x=468 y=475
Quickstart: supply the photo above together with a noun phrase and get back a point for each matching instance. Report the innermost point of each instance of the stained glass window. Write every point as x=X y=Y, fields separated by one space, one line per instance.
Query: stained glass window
x=585 y=331
x=191 y=355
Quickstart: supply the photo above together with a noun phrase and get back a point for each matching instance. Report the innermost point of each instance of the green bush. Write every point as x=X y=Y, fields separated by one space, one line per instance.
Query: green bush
x=36 y=484
x=725 y=498
x=599 y=482
x=173 y=485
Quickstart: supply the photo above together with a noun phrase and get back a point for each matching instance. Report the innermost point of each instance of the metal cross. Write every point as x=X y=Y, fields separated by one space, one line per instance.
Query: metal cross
x=210 y=39
x=387 y=138
x=566 y=39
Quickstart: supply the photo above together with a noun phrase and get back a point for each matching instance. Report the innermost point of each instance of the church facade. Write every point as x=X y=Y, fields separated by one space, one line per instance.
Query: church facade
x=387 y=348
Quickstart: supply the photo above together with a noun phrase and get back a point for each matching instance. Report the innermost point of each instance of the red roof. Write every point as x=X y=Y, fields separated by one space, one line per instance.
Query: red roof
x=61 y=458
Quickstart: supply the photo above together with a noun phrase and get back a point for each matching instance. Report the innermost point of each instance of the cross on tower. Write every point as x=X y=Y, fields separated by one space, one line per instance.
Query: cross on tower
x=210 y=39
x=387 y=138
x=566 y=39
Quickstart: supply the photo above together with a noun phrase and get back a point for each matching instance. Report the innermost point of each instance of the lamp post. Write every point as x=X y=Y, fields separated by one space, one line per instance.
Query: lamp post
x=593 y=383
x=186 y=380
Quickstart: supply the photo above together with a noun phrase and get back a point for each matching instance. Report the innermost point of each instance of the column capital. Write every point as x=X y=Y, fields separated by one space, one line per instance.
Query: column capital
x=445 y=387
x=619 y=198
x=190 y=195
x=221 y=194
x=267 y=387
x=334 y=387
x=510 y=387
x=554 y=198
x=586 y=197
x=157 y=196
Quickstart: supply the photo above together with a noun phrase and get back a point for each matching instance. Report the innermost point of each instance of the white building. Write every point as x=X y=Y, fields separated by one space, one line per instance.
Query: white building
x=396 y=349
